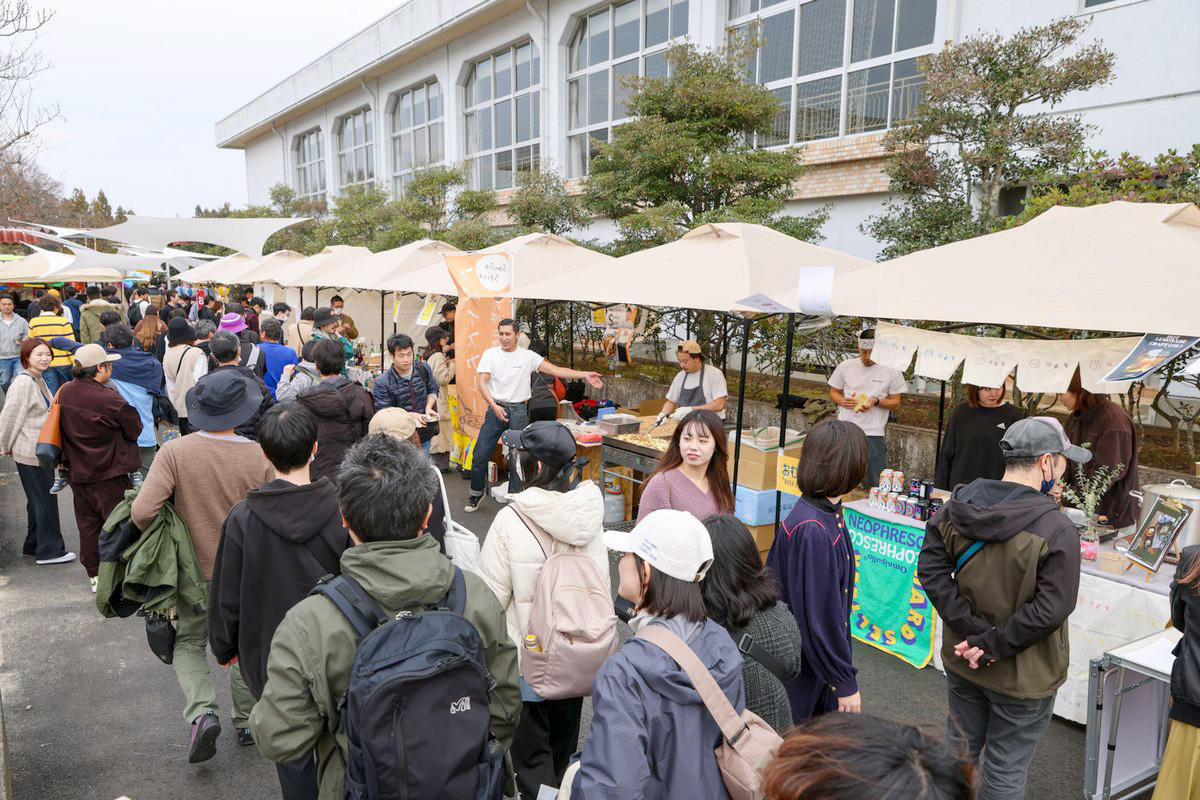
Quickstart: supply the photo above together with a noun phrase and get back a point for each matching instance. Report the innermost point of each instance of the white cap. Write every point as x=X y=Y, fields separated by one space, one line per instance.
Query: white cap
x=673 y=542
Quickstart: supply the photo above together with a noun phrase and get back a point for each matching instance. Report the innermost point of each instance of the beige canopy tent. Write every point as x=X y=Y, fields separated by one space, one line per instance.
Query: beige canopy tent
x=240 y=268
x=716 y=267
x=33 y=269
x=328 y=262
x=203 y=273
x=1118 y=266
x=537 y=257
x=415 y=267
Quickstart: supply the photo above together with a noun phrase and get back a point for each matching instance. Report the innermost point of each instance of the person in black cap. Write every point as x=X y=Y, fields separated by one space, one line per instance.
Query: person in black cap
x=1000 y=563
x=511 y=560
x=447 y=323
x=183 y=364
x=205 y=474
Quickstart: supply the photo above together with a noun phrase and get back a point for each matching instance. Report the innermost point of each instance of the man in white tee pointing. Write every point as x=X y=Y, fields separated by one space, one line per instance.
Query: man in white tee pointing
x=504 y=374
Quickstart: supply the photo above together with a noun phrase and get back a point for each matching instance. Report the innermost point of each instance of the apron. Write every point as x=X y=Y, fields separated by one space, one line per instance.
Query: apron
x=694 y=396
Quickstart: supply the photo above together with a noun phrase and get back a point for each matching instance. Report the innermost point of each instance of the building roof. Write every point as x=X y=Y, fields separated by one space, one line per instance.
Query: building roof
x=415 y=28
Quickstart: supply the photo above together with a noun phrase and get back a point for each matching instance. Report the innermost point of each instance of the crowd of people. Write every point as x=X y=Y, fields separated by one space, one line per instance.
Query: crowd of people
x=309 y=513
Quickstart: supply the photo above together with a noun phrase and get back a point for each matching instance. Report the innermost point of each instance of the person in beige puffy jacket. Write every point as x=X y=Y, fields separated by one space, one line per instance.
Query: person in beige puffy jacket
x=510 y=563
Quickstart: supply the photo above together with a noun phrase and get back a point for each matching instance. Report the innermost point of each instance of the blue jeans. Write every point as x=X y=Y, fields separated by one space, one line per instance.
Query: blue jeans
x=9 y=369
x=489 y=435
x=56 y=377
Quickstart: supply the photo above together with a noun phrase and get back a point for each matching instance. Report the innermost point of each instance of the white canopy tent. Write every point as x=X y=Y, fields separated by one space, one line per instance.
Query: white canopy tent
x=1118 y=266
x=246 y=235
x=297 y=273
x=716 y=267
x=415 y=267
x=34 y=269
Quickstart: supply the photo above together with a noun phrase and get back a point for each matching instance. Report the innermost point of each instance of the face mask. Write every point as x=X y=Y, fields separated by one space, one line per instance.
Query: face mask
x=1047 y=485
x=337 y=312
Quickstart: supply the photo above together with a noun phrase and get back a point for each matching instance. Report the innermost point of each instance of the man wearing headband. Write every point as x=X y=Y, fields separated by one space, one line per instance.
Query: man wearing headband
x=866 y=393
x=697 y=386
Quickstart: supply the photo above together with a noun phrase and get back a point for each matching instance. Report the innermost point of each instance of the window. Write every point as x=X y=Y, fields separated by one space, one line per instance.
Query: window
x=356 y=148
x=826 y=88
x=606 y=51
x=308 y=154
x=502 y=121
x=418 y=132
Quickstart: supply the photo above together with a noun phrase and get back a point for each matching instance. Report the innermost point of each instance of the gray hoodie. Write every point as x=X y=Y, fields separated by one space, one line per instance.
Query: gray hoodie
x=11 y=336
x=651 y=736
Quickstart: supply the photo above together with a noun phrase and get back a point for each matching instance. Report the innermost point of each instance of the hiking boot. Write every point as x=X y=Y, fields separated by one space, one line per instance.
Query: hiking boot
x=203 y=745
x=65 y=558
x=472 y=503
x=60 y=483
x=245 y=737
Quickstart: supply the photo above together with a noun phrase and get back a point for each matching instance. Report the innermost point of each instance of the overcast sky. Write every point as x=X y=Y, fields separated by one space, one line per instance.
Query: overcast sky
x=140 y=85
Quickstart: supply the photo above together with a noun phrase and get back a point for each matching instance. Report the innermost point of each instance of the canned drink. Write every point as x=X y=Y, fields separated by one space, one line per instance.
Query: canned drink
x=898 y=481
x=923 y=510
x=873 y=498
x=893 y=502
x=885 y=480
x=910 y=507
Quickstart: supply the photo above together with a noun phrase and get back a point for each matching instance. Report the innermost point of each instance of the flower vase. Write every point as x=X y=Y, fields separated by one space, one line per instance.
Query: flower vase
x=1089 y=540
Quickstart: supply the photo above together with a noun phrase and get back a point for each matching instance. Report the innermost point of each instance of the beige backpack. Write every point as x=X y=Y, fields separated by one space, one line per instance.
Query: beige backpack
x=572 y=619
x=747 y=743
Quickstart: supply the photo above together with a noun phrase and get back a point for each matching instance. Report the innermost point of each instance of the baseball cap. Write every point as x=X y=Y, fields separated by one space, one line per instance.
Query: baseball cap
x=93 y=355
x=1037 y=436
x=673 y=542
x=545 y=440
x=690 y=347
x=394 y=422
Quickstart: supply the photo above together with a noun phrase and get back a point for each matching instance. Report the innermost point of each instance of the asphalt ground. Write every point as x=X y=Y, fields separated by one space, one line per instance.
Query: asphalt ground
x=93 y=715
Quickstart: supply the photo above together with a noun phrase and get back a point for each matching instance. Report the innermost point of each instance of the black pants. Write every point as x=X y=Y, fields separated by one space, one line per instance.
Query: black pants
x=43 y=538
x=546 y=738
x=298 y=779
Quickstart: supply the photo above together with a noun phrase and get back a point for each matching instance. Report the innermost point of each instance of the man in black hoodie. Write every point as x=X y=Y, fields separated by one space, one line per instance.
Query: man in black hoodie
x=275 y=545
x=1001 y=564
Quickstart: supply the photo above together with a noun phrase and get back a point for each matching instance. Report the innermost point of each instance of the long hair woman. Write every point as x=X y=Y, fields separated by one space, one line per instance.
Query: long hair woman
x=26 y=404
x=149 y=334
x=693 y=474
x=814 y=559
x=651 y=736
x=1179 y=775
x=742 y=596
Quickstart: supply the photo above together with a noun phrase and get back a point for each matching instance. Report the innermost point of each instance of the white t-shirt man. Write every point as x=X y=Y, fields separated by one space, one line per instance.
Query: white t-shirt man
x=708 y=378
x=510 y=373
x=852 y=377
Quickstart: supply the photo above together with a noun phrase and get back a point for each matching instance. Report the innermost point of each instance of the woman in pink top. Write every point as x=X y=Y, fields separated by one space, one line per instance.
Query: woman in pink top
x=692 y=475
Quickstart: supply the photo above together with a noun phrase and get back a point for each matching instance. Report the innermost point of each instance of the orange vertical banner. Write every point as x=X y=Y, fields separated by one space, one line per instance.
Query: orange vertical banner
x=484 y=282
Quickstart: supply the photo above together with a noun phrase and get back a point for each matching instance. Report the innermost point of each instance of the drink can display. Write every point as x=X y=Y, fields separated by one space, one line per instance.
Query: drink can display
x=873 y=498
x=898 y=481
x=885 y=480
x=923 y=510
x=910 y=507
x=895 y=504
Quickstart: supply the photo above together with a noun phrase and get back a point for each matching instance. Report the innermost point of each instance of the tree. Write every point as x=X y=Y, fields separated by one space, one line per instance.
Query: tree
x=687 y=157
x=985 y=124
x=542 y=203
x=364 y=216
x=20 y=64
x=437 y=205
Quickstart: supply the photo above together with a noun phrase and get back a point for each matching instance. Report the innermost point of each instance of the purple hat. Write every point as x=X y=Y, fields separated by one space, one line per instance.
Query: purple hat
x=233 y=323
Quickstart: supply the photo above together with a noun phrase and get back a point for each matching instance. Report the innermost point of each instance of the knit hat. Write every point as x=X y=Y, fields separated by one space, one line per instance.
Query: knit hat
x=179 y=331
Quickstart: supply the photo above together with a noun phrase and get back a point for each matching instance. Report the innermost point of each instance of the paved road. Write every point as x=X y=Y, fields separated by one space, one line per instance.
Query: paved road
x=92 y=715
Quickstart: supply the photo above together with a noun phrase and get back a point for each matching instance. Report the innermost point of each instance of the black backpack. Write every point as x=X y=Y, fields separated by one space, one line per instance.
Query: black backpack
x=416 y=712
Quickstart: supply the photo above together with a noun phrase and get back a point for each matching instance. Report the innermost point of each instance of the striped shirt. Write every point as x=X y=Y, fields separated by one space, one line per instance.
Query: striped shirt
x=49 y=325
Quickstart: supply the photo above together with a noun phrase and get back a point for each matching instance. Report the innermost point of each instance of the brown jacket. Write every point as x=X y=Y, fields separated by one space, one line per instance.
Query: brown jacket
x=1107 y=430
x=99 y=432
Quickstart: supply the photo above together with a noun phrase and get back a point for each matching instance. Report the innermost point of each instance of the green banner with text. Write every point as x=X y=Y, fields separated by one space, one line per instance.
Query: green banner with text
x=890 y=611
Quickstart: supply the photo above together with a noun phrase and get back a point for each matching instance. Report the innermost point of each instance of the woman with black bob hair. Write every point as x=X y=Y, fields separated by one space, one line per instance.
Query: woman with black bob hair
x=814 y=560
x=651 y=736
x=860 y=757
x=742 y=596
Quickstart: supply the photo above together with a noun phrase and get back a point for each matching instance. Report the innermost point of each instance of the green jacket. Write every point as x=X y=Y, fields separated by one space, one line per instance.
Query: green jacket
x=308 y=670
x=158 y=569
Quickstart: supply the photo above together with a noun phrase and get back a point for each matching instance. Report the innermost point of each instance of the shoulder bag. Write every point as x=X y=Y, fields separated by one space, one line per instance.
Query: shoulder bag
x=747 y=743
x=49 y=442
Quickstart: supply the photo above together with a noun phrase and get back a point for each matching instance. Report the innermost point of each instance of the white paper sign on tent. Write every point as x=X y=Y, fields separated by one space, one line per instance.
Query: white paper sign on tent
x=988 y=367
x=763 y=303
x=1049 y=369
x=814 y=295
x=893 y=347
x=938 y=355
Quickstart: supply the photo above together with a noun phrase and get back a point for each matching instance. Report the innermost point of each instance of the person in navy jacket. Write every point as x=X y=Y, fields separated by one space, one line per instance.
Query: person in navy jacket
x=814 y=560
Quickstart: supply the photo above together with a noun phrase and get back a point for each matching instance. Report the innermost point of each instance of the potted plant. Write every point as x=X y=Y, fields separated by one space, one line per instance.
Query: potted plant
x=1088 y=489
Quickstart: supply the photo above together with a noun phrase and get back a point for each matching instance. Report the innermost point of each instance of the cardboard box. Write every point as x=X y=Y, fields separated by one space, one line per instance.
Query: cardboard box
x=650 y=408
x=764 y=536
x=760 y=456
x=755 y=507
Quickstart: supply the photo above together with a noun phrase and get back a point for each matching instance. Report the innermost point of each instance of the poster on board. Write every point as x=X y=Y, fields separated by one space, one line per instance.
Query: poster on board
x=1150 y=354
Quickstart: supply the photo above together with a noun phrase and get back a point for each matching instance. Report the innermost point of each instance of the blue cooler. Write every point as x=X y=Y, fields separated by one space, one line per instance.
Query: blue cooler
x=757 y=506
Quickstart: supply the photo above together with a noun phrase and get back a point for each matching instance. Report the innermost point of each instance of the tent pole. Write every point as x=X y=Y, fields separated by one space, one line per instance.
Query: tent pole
x=571 y=334
x=784 y=402
x=937 y=455
x=737 y=437
x=382 y=325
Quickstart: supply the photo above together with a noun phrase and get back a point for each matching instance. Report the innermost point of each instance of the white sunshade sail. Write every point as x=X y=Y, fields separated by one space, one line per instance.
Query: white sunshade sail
x=33 y=269
x=86 y=258
x=416 y=267
x=246 y=235
x=714 y=267
x=1114 y=267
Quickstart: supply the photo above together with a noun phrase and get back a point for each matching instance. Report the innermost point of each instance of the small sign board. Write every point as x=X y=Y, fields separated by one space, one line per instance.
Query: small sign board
x=1148 y=355
x=786 y=475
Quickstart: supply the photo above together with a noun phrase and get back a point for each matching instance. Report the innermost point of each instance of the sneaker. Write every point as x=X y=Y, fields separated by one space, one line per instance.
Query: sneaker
x=472 y=504
x=245 y=737
x=65 y=558
x=136 y=479
x=205 y=730
x=95 y=582
x=60 y=483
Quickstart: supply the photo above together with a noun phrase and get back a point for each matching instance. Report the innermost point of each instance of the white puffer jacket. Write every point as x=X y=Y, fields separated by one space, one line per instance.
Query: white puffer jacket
x=512 y=559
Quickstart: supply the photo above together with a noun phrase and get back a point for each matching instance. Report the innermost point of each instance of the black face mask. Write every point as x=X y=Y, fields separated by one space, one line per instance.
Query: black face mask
x=1048 y=485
